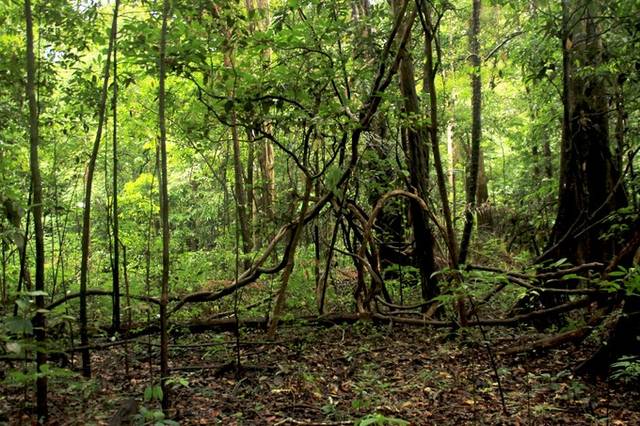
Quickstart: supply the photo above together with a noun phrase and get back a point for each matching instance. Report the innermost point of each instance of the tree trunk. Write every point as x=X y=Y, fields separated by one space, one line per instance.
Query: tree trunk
x=417 y=155
x=164 y=213
x=265 y=153
x=115 y=268
x=476 y=128
x=451 y=154
x=430 y=88
x=485 y=220
x=39 y=322
x=240 y=189
x=588 y=177
x=86 y=217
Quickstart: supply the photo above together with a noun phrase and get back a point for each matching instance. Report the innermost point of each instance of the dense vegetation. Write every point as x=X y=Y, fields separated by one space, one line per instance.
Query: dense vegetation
x=177 y=176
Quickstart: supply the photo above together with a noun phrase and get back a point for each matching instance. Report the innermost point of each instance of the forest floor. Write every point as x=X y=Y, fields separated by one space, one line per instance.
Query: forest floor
x=342 y=375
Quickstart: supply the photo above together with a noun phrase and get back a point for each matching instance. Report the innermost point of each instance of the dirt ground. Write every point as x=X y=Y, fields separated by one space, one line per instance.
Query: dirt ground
x=341 y=375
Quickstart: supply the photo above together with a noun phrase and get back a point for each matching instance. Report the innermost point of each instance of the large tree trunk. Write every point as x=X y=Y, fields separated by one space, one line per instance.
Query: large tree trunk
x=589 y=188
x=417 y=155
x=39 y=322
x=164 y=214
x=86 y=217
x=476 y=128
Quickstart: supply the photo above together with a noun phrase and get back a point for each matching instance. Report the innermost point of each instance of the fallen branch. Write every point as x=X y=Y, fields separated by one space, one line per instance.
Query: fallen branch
x=551 y=342
x=566 y=307
x=403 y=307
x=574 y=270
x=516 y=319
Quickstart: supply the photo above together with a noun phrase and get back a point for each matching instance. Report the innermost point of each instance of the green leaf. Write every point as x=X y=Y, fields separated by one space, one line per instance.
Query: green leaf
x=573 y=277
x=148 y=393
x=23 y=303
x=558 y=263
x=157 y=393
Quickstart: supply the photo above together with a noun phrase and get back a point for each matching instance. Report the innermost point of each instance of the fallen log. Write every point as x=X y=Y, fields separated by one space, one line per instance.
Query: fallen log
x=575 y=336
x=550 y=342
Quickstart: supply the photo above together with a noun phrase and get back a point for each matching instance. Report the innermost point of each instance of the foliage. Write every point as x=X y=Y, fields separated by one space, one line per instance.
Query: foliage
x=380 y=420
x=626 y=369
x=295 y=77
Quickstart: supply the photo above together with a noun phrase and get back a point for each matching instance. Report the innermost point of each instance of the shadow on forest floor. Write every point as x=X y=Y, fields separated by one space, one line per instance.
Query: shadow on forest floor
x=343 y=374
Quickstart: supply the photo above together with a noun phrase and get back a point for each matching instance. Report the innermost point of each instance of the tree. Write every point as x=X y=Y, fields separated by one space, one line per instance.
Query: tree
x=590 y=186
x=115 y=267
x=417 y=156
x=164 y=211
x=476 y=129
x=86 y=216
x=39 y=322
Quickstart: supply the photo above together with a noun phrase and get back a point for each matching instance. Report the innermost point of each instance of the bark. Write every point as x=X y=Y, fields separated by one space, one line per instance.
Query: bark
x=86 y=217
x=164 y=213
x=589 y=188
x=39 y=322
x=417 y=157
x=476 y=128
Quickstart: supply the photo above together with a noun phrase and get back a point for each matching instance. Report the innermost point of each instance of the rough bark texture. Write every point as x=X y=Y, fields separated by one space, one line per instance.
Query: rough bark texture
x=588 y=177
x=39 y=322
